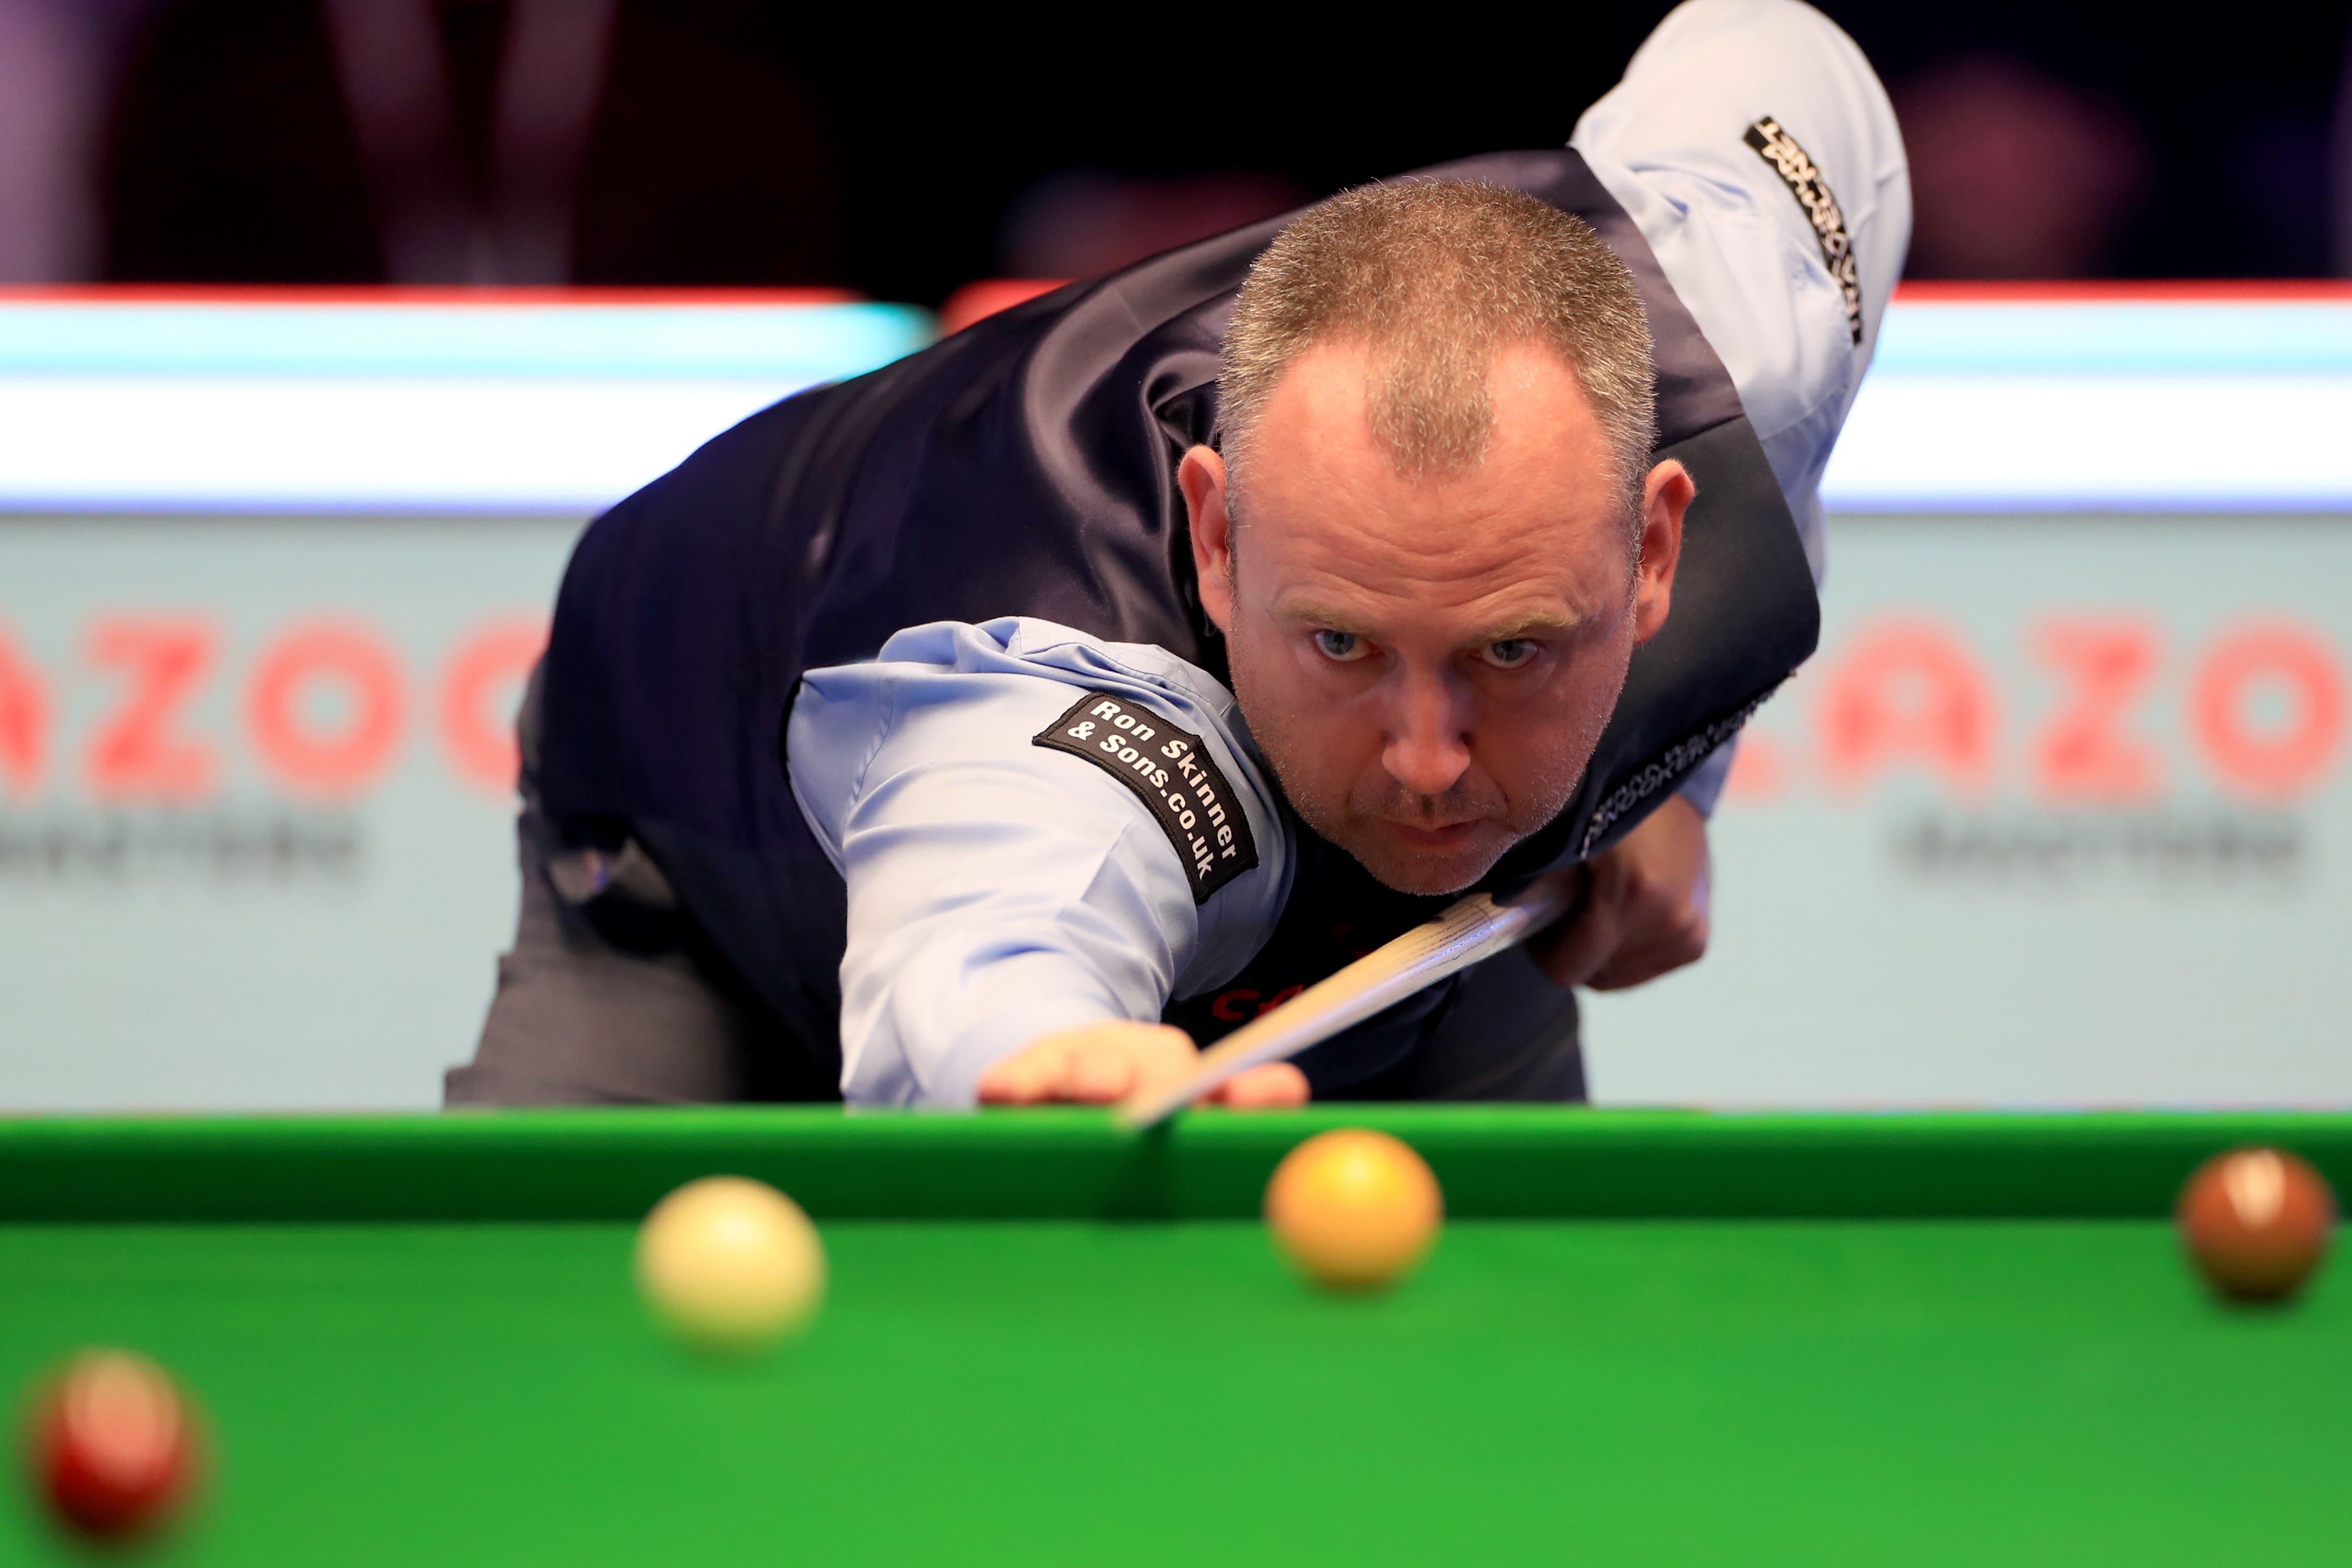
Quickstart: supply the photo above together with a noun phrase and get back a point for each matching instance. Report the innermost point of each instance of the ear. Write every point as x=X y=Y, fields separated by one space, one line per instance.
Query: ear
x=1202 y=477
x=1666 y=494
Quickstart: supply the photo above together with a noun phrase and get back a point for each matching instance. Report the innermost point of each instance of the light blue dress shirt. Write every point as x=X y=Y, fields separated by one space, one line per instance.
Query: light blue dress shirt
x=999 y=891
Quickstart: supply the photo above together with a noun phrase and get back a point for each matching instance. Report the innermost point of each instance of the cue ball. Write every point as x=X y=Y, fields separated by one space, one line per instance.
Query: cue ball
x=731 y=1264
x=2256 y=1222
x=1354 y=1210
x=112 y=1443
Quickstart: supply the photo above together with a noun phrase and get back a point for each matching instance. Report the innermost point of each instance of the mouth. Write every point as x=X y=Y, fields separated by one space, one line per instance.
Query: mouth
x=1451 y=837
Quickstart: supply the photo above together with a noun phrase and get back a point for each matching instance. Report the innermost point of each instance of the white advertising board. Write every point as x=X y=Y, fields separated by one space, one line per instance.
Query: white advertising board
x=255 y=786
x=2058 y=816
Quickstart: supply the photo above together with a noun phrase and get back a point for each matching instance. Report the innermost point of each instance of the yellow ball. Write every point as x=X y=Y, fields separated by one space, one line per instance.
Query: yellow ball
x=1355 y=1210
x=731 y=1264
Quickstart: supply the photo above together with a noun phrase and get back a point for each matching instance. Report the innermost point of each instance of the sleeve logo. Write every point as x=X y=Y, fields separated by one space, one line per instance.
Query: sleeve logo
x=1805 y=182
x=1171 y=773
x=1672 y=763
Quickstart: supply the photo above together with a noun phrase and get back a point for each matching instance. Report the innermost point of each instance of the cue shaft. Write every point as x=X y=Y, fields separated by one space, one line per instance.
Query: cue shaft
x=1478 y=927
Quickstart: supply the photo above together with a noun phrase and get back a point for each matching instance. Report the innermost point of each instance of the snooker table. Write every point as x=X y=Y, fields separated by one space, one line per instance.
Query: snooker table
x=1645 y=1337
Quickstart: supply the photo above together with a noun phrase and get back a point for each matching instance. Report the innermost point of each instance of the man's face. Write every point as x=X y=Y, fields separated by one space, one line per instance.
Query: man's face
x=1429 y=663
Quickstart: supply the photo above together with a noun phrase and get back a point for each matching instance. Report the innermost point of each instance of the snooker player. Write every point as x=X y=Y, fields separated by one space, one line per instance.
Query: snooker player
x=1006 y=724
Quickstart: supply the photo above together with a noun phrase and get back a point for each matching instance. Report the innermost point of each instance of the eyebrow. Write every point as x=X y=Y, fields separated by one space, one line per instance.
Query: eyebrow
x=1317 y=610
x=1536 y=623
x=1533 y=624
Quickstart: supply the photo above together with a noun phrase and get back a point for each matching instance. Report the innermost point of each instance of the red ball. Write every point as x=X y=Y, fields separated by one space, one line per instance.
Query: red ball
x=2256 y=1221
x=112 y=1443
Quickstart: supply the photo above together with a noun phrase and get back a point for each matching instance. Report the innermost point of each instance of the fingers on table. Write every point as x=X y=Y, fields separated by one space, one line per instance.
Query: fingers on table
x=1100 y=1071
x=1272 y=1086
x=1096 y=1065
x=1101 y=1063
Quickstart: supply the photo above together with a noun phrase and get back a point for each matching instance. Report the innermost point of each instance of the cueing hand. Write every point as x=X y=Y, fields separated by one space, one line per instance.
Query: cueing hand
x=1644 y=912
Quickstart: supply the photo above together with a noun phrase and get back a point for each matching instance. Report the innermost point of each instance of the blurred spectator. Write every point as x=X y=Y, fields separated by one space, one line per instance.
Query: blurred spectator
x=2339 y=171
x=56 y=59
x=615 y=141
x=1082 y=223
x=2278 y=211
x=2014 y=173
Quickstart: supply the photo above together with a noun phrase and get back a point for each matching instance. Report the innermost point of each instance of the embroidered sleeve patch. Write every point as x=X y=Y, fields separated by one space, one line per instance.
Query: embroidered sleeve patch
x=1805 y=182
x=1174 y=777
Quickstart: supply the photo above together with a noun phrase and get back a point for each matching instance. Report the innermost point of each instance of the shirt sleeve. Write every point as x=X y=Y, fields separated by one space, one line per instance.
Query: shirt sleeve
x=1753 y=146
x=1755 y=149
x=999 y=889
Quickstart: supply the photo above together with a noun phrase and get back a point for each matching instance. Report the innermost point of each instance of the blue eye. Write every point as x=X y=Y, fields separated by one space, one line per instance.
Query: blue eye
x=1510 y=653
x=1341 y=647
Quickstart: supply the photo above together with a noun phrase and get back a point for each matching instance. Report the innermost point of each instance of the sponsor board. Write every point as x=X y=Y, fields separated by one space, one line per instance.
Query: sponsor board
x=2058 y=815
x=256 y=802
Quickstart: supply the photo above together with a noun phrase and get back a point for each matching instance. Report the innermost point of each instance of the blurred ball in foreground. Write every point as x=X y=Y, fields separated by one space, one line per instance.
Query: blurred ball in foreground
x=113 y=1448
x=1354 y=1210
x=731 y=1264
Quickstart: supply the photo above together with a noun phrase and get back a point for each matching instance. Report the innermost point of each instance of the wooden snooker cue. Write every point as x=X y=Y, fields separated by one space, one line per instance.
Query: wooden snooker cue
x=1478 y=927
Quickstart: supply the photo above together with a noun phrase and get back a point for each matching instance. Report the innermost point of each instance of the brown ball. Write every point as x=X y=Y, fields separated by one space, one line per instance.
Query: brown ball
x=2256 y=1221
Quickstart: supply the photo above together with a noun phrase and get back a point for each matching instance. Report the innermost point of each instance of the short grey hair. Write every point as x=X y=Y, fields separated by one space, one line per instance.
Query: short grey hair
x=1435 y=276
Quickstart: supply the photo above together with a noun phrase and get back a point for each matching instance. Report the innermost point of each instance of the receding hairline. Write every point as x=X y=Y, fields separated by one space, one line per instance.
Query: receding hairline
x=1241 y=514
x=1436 y=278
x=1375 y=353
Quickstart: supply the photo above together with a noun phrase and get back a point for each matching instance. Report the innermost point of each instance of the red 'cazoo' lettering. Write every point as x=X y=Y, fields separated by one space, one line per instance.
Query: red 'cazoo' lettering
x=1278 y=999
x=24 y=720
x=135 y=753
x=1234 y=1006
x=1907 y=690
x=2084 y=753
x=346 y=760
x=1758 y=772
x=480 y=748
x=2267 y=765
x=1229 y=1004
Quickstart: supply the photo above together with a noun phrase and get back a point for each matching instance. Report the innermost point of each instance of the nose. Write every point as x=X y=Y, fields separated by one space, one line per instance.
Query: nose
x=1428 y=746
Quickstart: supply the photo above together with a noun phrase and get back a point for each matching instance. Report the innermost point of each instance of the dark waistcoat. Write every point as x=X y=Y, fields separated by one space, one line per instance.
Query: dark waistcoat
x=1026 y=465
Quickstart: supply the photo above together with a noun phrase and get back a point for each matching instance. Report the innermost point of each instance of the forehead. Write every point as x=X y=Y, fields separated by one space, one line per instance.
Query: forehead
x=1534 y=523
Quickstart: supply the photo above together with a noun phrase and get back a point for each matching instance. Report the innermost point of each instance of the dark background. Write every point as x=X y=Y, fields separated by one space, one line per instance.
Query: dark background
x=902 y=155
x=2234 y=108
